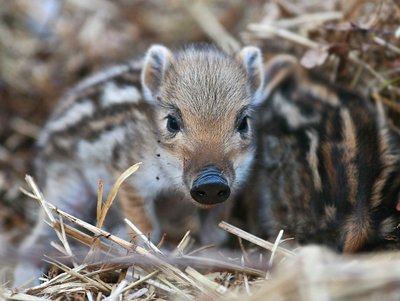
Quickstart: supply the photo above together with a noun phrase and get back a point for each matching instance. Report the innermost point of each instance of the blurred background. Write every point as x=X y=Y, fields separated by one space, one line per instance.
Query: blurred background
x=48 y=45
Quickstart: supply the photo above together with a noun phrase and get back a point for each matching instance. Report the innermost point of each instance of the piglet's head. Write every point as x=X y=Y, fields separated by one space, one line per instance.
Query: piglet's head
x=204 y=102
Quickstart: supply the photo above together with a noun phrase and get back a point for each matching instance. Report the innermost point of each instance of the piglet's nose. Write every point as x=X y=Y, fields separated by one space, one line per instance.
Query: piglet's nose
x=210 y=187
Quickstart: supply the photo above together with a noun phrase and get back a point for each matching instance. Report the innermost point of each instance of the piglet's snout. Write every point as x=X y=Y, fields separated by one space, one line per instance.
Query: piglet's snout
x=210 y=187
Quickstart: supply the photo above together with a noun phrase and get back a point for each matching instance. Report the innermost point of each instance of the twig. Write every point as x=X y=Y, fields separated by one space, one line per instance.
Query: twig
x=142 y=236
x=115 y=294
x=140 y=281
x=320 y=17
x=215 y=287
x=99 y=202
x=20 y=297
x=384 y=43
x=114 y=190
x=182 y=244
x=212 y=27
x=25 y=127
x=393 y=105
x=73 y=273
x=265 y=30
x=271 y=259
x=254 y=239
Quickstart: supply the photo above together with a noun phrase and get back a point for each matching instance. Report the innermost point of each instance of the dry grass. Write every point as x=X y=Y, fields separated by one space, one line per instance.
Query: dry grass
x=108 y=267
x=112 y=268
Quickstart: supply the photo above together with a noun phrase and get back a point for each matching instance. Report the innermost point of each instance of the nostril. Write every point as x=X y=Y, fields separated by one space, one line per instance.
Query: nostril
x=222 y=193
x=200 y=193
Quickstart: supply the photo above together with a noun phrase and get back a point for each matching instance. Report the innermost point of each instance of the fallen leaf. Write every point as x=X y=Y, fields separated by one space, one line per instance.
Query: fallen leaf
x=315 y=57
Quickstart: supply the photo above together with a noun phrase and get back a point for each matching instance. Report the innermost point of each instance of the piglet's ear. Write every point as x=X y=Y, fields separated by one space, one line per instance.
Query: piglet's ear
x=156 y=62
x=251 y=59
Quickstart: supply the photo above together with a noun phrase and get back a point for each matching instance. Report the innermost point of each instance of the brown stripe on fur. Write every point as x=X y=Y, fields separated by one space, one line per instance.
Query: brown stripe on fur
x=70 y=99
x=307 y=182
x=108 y=121
x=116 y=116
x=312 y=159
x=134 y=208
x=349 y=154
x=330 y=126
x=61 y=142
x=91 y=90
x=357 y=230
x=385 y=156
x=330 y=169
x=132 y=78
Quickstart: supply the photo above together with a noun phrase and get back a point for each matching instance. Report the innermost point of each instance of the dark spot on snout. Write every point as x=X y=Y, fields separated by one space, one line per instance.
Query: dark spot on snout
x=210 y=187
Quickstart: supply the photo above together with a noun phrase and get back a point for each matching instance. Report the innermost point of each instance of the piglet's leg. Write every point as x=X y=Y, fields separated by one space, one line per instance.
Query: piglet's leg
x=67 y=191
x=140 y=212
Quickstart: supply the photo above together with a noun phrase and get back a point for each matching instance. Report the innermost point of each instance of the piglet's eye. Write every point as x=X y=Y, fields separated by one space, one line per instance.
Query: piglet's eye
x=173 y=124
x=243 y=126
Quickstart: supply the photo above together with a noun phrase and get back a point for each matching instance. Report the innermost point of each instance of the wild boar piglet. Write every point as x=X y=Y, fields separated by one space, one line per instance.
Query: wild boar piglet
x=186 y=115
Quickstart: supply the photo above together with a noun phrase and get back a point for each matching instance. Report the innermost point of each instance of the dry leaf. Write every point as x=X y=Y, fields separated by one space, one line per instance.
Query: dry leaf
x=315 y=57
